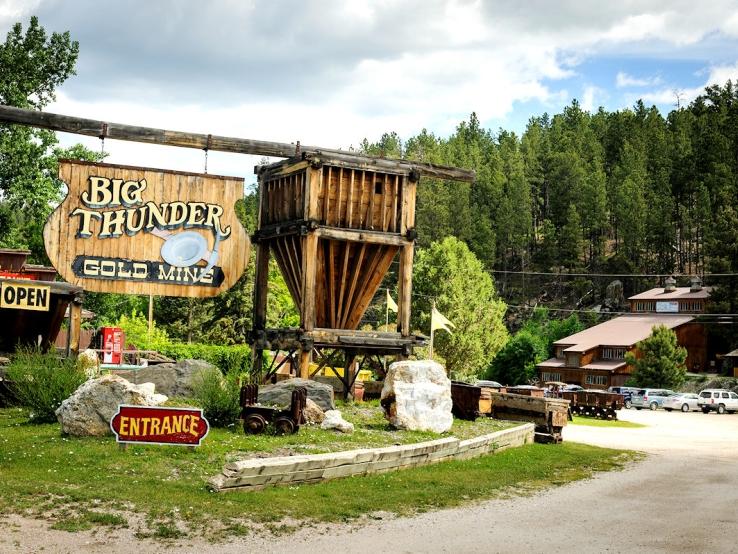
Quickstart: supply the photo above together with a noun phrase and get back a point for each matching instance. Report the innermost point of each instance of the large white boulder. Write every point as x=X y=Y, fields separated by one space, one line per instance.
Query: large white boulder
x=89 y=410
x=417 y=396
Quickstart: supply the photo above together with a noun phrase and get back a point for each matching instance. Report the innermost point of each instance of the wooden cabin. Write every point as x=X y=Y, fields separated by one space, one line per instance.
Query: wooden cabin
x=595 y=357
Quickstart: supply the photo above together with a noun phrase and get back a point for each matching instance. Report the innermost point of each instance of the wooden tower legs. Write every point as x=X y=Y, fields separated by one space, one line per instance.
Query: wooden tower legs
x=261 y=285
x=307 y=310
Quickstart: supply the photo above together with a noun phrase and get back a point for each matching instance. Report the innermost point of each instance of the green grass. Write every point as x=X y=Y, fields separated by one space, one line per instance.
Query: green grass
x=595 y=422
x=78 y=483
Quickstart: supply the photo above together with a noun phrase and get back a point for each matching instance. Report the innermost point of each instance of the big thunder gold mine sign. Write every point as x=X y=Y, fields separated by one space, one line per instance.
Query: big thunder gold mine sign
x=147 y=231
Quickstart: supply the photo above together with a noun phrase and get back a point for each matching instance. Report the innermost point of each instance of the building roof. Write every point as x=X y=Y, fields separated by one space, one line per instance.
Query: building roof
x=608 y=365
x=733 y=354
x=625 y=331
x=553 y=362
x=680 y=293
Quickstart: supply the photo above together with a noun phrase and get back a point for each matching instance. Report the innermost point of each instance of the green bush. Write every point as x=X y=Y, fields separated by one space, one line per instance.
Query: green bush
x=136 y=328
x=229 y=359
x=41 y=381
x=218 y=395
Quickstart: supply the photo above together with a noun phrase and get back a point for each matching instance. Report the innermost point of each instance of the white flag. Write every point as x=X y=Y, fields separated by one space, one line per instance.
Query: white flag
x=391 y=303
x=439 y=321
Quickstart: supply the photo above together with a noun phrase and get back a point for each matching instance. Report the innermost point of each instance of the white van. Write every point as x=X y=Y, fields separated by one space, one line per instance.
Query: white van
x=718 y=400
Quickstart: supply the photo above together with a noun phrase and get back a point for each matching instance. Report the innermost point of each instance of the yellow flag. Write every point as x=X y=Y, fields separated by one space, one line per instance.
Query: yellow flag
x=391 y=303
x=439 y=321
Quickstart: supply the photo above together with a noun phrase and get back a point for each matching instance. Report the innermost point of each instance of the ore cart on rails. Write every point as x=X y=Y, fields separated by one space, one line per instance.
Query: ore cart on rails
x=593 y=403
x=550 y=415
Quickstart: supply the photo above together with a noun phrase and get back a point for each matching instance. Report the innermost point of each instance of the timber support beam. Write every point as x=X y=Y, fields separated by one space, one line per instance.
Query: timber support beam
x=119 y=131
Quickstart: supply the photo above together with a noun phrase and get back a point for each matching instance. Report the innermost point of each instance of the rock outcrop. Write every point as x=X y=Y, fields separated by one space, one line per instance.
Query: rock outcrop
x=417 y=396
x=90 y=408
x=280 y=394
x=171 y=379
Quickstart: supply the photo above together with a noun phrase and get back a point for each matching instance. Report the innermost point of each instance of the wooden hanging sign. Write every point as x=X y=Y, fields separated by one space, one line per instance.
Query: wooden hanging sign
x=138 y=230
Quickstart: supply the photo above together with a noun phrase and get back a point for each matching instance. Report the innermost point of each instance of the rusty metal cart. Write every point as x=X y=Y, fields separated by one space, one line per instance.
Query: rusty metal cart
x=256 y=418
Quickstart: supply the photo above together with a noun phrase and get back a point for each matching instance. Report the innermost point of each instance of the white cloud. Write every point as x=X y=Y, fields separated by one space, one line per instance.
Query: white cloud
x=333 y=72
x=624 y=80
x=593 y=97
x=717 y=75
x=13 y=10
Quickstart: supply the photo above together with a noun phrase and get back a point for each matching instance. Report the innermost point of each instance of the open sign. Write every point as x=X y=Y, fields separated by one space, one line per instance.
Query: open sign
x=25 y=297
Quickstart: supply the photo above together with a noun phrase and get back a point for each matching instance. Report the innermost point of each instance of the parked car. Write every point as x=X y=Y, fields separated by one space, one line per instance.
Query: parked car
x=649 y=398
x=684 y=401
x=627 y=393
x=718 y=400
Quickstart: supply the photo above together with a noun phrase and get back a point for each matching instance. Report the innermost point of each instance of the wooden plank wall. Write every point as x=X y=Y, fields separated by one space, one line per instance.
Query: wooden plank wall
x=347 y=274
x=63 y=245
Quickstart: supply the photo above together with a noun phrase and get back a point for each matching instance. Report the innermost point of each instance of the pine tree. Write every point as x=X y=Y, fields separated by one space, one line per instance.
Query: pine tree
x=662 y=360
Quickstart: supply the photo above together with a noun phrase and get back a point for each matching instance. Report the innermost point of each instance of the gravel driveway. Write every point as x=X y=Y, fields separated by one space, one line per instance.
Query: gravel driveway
x=682 y=498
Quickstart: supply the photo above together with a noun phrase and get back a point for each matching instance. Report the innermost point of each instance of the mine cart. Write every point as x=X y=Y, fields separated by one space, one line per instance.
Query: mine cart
x=470 y=401
x=594 y=403
x=256 y=418
x=549 y=415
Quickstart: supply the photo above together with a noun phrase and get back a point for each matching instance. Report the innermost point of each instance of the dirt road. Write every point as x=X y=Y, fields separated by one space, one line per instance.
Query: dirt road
x=682 y=498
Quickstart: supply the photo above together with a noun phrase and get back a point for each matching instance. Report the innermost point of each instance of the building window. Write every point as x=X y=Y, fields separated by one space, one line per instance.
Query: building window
x=610 y=353
x=546 y=376
x=595 y=379
x=560 y=352
x=572 y=360
x=645 y=306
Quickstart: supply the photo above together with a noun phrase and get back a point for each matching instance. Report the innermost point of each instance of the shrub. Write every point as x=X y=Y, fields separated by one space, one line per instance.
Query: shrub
x=516 y=363
x=41 y=381
x=136 y=328
x=218 y=395
x=229 y=359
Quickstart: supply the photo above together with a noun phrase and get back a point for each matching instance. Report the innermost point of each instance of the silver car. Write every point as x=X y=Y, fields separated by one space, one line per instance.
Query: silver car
x=684 y=401
x=649 y=398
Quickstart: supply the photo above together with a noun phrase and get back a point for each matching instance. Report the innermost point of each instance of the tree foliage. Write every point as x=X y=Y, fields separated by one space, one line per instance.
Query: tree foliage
x=449 y=272
x=33 y=65
x=516 y=363
x=661 y=361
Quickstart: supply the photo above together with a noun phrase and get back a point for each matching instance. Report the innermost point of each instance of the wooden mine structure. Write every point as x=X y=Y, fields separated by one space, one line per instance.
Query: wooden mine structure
x=334 y=222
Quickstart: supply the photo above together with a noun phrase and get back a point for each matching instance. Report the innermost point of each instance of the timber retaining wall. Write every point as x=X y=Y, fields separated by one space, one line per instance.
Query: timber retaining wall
x=258 y=473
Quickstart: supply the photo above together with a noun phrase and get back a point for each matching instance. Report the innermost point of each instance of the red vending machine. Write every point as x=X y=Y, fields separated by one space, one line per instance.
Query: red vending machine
x=113 y=341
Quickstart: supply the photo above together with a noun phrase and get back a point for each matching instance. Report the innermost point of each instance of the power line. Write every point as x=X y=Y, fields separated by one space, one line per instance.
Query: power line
x=592 y=311
x=559 y=274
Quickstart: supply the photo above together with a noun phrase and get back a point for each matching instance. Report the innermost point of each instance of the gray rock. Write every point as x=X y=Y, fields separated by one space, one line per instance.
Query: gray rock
x=281 y=393
x=171 y=379
x=313 y=413
x=614 y=298
x=89 y=410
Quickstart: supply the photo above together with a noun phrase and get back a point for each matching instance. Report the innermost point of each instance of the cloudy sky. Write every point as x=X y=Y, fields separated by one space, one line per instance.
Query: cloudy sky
x=330 y=72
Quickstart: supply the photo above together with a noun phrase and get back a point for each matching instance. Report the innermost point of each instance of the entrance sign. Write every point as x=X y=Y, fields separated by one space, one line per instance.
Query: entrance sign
x=147 y=231
x=157 y=425
x=25 y=297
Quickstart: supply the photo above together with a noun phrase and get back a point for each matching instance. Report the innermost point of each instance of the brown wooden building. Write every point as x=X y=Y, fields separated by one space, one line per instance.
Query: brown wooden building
x=595 y=358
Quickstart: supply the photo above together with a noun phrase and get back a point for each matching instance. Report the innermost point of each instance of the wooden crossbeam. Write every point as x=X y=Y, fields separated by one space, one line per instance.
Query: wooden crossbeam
x=119 y=131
